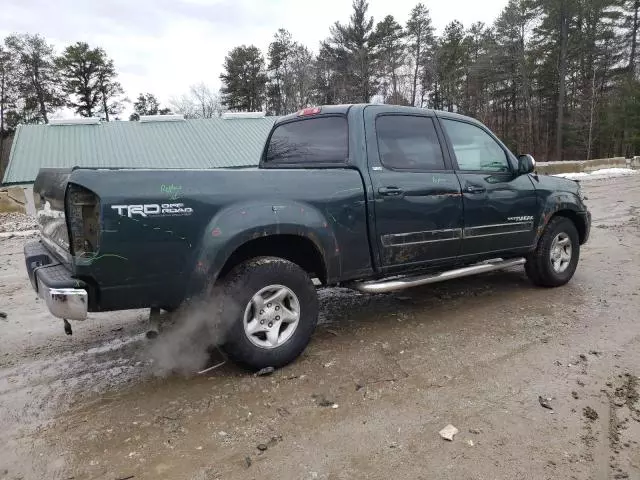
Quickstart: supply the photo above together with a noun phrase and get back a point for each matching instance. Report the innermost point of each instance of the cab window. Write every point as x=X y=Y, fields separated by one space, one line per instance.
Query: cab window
x=407 y=142
x=321 y=140
x=475 y=149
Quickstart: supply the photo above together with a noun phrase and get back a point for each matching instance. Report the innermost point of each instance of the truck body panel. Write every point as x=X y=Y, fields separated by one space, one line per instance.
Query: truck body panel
x=390 y=190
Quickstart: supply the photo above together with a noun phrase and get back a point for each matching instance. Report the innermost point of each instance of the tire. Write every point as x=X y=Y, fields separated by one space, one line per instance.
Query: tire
x=555 y=259
x=279 y=340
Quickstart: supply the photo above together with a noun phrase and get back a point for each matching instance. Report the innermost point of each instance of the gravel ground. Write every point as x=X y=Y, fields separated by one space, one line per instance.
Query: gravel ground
x=382 y=376
x=16 y=222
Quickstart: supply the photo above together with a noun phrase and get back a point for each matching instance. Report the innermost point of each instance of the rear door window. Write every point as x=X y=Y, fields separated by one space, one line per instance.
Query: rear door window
x=407 y=142
x=322 y=140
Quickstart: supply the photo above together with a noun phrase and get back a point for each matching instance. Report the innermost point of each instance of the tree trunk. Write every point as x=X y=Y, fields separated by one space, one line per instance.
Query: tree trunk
x=416 y=71
x=593 y=107
x=634 y=40
x=394 y=85
x=3 y=85
x=105 y=107
x=562 y=71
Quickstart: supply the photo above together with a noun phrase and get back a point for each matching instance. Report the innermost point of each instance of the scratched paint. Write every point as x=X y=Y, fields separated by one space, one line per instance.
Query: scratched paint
x=91 y=258
x=438 y=180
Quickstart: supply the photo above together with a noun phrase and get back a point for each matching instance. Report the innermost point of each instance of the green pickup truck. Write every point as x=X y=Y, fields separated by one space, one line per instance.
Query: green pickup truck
x=373 y=197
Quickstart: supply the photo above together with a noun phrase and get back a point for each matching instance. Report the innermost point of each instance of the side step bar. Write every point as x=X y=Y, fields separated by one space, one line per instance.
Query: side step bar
x=385 y=286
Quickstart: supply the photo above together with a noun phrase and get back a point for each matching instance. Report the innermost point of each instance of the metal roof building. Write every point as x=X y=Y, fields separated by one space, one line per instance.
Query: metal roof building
x=201 y=143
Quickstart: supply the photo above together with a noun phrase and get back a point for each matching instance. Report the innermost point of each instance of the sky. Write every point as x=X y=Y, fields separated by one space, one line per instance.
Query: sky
x=164 y=46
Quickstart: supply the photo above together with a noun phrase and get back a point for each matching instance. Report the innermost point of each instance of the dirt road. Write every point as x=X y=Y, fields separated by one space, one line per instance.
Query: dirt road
x=382 y=376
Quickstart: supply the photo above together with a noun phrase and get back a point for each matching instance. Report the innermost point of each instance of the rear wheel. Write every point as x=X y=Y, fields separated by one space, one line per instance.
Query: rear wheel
x=270 y=308
x=555 y=259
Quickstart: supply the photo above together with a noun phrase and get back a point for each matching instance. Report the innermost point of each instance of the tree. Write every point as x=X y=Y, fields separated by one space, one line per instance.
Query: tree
x=512 y=68
x=279 y=53
x=79 y=66
x=350 y=51
x=291 y=75
x=7 y=94
x=388 y=38
x=300 y=87
x=563 y=18
x=451 y=63
x=206 y=101
x=420 y=43
x=632 y=24
x=89 y=80
x=244 y=79
x=110 y=91
x=37 y=79
x=200 y=102
x=147 y=104
x=556 y=78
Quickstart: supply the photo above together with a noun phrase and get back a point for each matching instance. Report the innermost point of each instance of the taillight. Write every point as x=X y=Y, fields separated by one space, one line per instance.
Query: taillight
x=83 y=217
x=309 y=111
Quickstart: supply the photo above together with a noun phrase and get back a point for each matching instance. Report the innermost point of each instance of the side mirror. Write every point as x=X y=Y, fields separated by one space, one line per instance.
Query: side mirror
x=526 y=164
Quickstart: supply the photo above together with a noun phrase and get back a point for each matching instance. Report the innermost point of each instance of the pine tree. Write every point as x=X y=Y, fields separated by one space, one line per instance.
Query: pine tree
x=512 y=74
x=291 y=73
x=79 y=66
x=110 y=91
x=280 y=51
x=450 y=68
x=421 y=43
x=244 y=79
x=390 y=54
x=89 y=80
x=350 y=51
x=632 y=25
x=7 y=96
x=37 y=79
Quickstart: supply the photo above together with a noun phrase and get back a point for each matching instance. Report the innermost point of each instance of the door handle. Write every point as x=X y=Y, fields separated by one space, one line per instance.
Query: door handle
x=475 y=189
x=390 y=191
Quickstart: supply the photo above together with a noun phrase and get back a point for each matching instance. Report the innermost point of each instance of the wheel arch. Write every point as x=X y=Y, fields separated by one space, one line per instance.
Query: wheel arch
x=576 y=219
x=563 y=204
x=297 y=249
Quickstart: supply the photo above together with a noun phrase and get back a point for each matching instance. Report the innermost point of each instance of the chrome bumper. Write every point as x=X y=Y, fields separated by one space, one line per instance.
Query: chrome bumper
x=65 y=296
x=69 y=303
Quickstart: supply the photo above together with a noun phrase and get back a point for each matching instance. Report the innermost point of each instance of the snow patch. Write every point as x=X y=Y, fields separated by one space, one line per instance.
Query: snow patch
x=599 y=174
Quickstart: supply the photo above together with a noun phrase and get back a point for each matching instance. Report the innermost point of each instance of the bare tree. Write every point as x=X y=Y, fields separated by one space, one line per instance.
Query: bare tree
x=200 y=102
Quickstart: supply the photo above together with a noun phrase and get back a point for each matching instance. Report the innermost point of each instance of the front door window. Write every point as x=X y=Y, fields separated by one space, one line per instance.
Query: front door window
x=475 y=149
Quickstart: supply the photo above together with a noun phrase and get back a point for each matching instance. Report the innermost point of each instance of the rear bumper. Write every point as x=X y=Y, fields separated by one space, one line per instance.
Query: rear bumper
x=65 y=296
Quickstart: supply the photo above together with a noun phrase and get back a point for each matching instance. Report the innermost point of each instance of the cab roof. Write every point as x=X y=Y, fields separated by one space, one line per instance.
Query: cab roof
x=345 y=108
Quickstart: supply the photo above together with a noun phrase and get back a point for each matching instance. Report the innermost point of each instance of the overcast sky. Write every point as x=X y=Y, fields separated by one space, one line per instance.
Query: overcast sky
x=163 y=46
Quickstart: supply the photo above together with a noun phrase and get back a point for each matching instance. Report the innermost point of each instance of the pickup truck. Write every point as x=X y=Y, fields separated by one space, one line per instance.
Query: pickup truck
x=373 y=197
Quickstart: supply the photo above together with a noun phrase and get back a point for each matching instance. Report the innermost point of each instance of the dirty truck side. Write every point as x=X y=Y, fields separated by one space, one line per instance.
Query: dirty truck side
x=374 y=197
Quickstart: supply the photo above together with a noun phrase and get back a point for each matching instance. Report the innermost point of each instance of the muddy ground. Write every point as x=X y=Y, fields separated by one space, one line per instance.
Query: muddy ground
x=382 y=376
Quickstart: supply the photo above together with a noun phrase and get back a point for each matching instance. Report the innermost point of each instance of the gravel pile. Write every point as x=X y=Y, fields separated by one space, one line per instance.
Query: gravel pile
x=17 y=222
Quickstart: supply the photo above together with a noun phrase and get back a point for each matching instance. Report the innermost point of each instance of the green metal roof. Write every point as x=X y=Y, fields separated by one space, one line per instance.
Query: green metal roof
x=202 y=143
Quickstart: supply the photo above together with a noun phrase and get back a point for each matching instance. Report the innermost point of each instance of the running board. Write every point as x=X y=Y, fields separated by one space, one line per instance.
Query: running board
x=385 y=286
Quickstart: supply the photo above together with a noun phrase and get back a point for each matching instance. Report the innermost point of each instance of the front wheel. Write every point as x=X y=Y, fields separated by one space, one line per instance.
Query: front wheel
x=555 y=259
x=270 y=309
